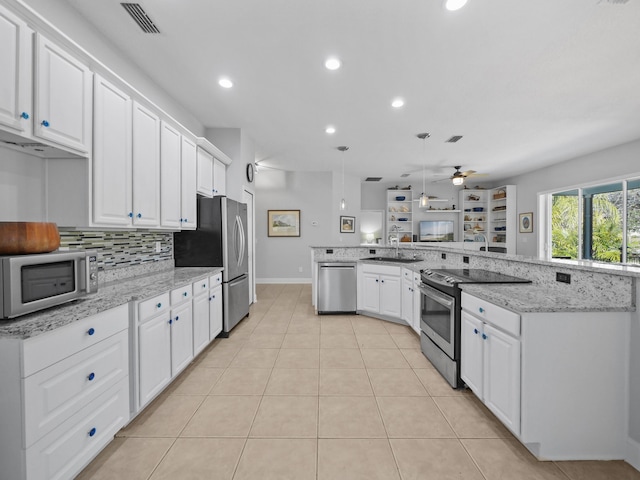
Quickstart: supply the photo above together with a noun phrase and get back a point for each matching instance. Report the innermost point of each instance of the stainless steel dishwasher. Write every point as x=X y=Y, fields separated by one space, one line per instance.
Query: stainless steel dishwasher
x=337 y=287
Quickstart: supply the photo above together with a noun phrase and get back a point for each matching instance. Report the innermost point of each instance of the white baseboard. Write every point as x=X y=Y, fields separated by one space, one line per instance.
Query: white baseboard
x=283 y=280
x=633 y=453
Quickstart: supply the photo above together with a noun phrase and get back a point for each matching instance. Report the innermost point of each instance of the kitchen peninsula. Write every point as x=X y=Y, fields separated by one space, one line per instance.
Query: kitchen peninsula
x=549 y=359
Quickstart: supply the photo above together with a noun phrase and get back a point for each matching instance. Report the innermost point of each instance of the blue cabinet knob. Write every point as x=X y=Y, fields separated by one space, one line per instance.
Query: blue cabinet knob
x=484 y=336
x=481 y=310
x=130 y=214
x=24 y=115
x=177 y=318
x=44 y=123
x=210 y=298
x=91 y=331
x=170 y=322
x=139 y=215
x=204 y=285
x=185 y=220
x=185 y=294
x=475 y=330
x=91 y=376
x=92 y=432
x=159 y=305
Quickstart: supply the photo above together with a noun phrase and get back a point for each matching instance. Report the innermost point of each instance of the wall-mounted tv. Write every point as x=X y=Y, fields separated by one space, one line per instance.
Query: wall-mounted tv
x=436 y=231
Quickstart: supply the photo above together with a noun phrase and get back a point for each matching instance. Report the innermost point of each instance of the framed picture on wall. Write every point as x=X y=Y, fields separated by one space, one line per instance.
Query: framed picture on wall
x=347 y=224
x=526 y=222
x=283 y=223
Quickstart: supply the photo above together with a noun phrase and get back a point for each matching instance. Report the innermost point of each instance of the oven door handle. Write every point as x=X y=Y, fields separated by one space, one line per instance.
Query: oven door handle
x=437 y=296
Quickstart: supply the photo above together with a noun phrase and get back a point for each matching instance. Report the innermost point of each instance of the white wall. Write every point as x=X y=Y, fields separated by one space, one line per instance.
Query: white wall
x=238 y=146
x=22 y=187
x=280 y=259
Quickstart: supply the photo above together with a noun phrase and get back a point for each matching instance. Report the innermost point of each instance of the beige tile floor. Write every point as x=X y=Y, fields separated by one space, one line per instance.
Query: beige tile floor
x=291 y=395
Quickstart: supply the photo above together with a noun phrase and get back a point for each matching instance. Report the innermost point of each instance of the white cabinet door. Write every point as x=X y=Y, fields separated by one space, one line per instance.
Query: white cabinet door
x=146 y=167
x=370 y=292
x=219 y=177
x=205 y=173
x=200 y=323
x=170 y=208
x=390 y=296
x=112 y=194
x=189 y=175
x=154 y=343
x=16 y=75
x=215 y=312
x=181 y=337
x=471 y=353
x=63 y=93
x=407 y=300
x=502 y=376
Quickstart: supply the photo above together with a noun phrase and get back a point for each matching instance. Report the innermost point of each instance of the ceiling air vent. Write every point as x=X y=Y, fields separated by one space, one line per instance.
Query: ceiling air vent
x=373 y=179
x=454 y=139
x=140 y=17
x=612 y=2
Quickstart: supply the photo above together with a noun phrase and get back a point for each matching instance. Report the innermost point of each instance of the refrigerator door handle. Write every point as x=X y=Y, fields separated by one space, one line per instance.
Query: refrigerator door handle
x=243 y=242
x=238 y=240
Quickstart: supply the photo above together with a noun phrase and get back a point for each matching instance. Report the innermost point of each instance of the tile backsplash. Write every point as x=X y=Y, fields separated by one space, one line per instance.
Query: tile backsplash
x=120 y=248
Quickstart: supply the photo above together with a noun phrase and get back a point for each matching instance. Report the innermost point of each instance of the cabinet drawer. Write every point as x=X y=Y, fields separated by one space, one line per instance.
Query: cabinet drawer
x=500 y=317
x=54 y=394
x=200 y=287
x=215 y=279
x=181 y=294
x=154 y=305
x=62 y=453
x=46 y=349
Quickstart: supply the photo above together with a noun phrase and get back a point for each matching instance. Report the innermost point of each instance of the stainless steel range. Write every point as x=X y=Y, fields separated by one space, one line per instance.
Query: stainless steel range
x=440 y=315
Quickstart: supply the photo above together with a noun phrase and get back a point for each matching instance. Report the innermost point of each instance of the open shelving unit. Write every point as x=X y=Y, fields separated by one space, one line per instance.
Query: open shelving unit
x=474 y=214
x=399 y=215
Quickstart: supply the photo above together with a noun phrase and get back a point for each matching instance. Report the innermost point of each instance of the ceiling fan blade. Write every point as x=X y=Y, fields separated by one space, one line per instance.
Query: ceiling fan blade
x=468 y=172
x=478 y=175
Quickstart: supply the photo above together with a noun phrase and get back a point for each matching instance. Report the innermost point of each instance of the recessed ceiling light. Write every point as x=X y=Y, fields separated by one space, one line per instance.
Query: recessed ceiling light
x=225 y=83
x=397 y=103
x=453 y=5
x=332 y=63
x=330 y=129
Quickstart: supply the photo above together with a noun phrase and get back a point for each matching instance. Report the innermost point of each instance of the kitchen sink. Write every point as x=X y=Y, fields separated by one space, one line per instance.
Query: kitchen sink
x=393 y=259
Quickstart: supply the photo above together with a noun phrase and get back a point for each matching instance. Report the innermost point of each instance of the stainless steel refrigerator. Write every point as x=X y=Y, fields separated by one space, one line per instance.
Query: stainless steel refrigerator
x=220 y=240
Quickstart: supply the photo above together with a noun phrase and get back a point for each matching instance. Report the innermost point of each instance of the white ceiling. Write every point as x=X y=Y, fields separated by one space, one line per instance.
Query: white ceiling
x=526 y=82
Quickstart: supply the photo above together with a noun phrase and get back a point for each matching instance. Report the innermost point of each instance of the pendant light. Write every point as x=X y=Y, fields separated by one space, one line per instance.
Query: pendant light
x=343 y=202
x=423 y=202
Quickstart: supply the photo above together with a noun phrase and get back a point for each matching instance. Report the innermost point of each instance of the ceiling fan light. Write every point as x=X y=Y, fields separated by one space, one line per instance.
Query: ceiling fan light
x=458 y=180
x=424 y=201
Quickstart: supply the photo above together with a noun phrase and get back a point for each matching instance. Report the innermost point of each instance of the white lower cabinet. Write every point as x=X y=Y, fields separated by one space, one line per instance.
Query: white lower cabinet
x=380 y=290
x=215 y=312
x=491 y=368
x=200 y=315
x=181 y=336
x=64 y=395
x=555 y=379
x=154 y=353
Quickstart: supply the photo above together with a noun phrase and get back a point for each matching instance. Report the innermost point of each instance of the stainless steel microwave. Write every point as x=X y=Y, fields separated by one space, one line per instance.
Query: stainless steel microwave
x=32 y=282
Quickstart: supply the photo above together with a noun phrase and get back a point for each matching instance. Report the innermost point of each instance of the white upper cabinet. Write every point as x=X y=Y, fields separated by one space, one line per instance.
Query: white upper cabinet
x=112 y=191
x=170 y=209
x=205 y=173
x=16 y=73
x=146 y=167
x=63 y=92
x=188 y=201
x=219 y=177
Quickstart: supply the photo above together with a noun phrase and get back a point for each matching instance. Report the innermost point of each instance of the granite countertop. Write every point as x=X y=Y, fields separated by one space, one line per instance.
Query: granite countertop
x=528 y=298
x=108 y=296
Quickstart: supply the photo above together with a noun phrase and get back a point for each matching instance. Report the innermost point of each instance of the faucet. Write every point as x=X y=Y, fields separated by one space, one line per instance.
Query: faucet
x=486 y=241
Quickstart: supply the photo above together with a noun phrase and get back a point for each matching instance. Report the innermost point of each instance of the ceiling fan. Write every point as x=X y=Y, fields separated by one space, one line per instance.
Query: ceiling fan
x=458 y=177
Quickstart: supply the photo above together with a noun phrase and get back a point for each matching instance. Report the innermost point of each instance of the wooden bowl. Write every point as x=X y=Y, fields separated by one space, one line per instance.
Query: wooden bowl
x=18 y=238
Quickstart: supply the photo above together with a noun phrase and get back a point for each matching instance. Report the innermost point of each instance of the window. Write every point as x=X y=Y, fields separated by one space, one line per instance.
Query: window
x=597 y=222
